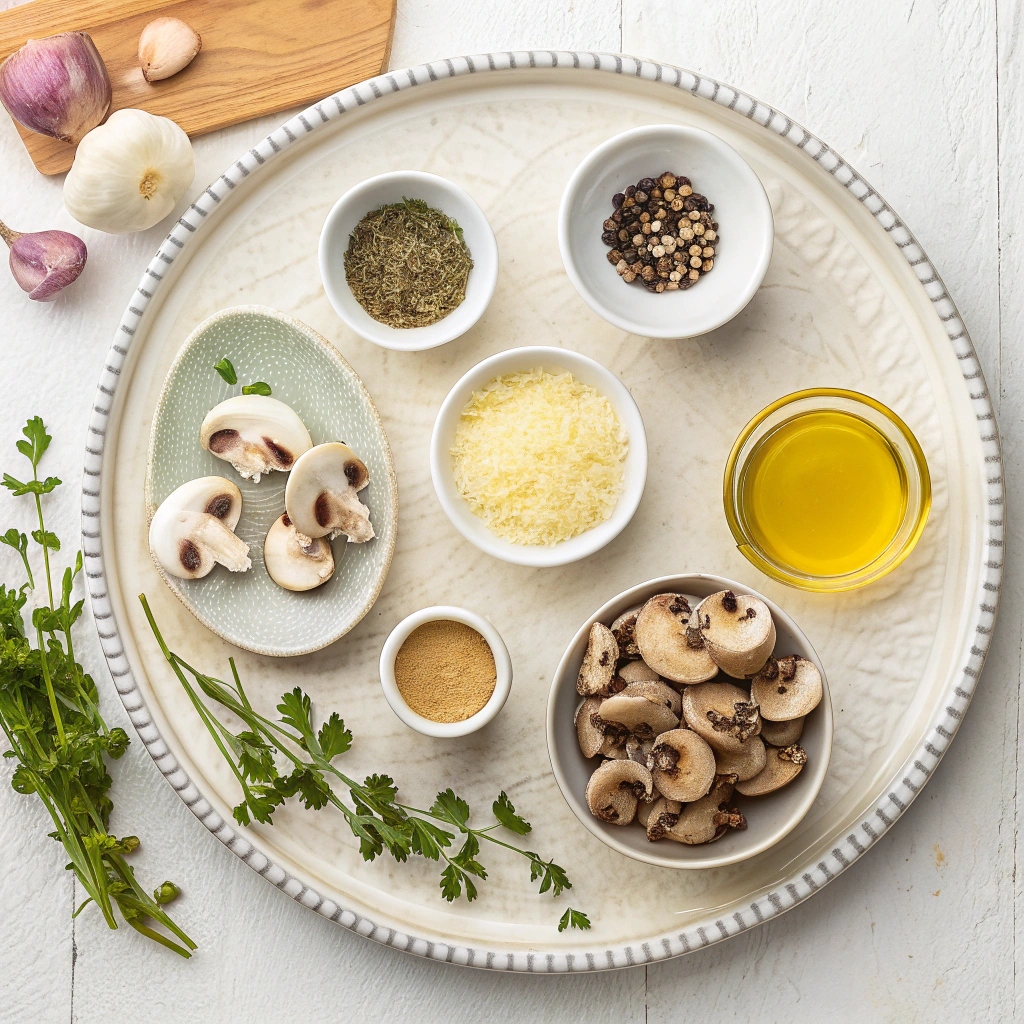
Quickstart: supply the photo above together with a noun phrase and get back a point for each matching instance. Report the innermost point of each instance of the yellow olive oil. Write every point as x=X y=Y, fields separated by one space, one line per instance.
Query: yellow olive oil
x=823 y=493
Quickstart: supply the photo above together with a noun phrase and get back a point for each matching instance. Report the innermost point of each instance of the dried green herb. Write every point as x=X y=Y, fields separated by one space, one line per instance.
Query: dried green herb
x=407 y=264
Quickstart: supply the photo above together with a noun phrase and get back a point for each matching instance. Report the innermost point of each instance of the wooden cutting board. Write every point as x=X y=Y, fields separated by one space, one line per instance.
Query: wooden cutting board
x=258 y=56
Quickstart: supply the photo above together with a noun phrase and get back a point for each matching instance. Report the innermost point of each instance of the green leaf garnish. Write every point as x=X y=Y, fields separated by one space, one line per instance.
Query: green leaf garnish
x=574 y=919
x=506 y=814
x=257 y=388
x=226 y=370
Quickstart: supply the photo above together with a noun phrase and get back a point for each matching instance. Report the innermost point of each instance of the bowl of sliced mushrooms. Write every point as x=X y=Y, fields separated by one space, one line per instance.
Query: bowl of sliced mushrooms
x=689 y=723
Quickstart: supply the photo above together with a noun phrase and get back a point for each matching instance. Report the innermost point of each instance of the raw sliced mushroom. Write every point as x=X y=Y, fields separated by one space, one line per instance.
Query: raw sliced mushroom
x=675 y=651
x=658 y=817
x=256 y=434
x=782 y=734
x=293 y=564
x=321 y=495
x=682 y=765
x=738 y=631
x=787 y=688
x=598 y=662
x=637 y=672
x=658 y=691
x=709 y=818
x=590 y=735
x=624 y=628
x=722 y=713
x=782 y=766
x=640 y=715
x=615 y=788
x=187 y=541
x=744 y=763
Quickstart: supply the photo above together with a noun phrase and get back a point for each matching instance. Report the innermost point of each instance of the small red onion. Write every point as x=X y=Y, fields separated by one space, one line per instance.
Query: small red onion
x=57 y=86
x=44 y=262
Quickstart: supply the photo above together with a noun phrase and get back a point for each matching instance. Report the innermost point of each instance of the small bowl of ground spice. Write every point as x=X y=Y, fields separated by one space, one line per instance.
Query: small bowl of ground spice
x=408 y=260
x=445 y=671
x=665 y=231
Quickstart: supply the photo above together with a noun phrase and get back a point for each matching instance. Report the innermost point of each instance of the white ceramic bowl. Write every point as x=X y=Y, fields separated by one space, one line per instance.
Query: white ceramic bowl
x=717 y=171
x=769 y=818
x=442 y=195
x=502 y=665
x=555 y=360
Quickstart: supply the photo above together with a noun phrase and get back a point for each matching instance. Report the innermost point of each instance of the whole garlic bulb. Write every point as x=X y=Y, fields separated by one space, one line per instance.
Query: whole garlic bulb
x=129 y=173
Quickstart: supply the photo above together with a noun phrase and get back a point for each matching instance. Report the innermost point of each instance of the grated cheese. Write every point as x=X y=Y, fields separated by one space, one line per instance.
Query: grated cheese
x=539 y=457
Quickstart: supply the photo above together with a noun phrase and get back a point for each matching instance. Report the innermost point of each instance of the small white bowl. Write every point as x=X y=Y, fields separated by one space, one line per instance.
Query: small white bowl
x=769 y=818
x=717 y=171
x=502 y=665
x=393 y=188
x=554 y=360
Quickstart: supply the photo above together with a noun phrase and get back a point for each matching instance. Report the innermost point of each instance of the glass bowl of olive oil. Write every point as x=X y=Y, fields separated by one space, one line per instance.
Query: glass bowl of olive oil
x=826 y=490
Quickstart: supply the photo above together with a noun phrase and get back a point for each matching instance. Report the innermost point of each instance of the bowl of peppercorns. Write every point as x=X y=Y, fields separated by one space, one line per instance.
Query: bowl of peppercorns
x=666 y=231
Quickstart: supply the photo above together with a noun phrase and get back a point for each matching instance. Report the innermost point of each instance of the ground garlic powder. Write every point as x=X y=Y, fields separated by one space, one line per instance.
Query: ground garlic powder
x=445 y=671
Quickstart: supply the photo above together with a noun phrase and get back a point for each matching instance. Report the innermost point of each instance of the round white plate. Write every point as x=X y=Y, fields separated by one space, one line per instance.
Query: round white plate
x=850 y=300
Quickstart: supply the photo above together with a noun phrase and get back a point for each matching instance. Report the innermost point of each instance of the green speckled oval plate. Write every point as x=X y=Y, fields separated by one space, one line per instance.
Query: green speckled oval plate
x=249 y=609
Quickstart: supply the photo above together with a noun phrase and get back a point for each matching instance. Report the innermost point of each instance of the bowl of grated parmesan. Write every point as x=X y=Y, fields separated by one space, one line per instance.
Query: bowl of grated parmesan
x=539 y=456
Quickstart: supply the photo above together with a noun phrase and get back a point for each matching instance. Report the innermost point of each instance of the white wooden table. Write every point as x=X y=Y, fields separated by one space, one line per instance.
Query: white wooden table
x=921 y=96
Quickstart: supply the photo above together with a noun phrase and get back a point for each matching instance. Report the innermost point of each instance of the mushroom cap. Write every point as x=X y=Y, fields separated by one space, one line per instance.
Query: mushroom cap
x=722 y=713
x=637 y=671
x=256 y=434
x=658 y=816
x=655 y=689
x=591 y=737
x=189 y=544
x=615 y=788
x=782 y=766
x=214 y=495
x=640 y=715
x=738 y=631
x=668 y=646
x=782 y=734
x=683 y=765
x=320 y=497
x=788 y=688
x=292 y=564
x=598 y=662
x=709 y=818
x=744 y=763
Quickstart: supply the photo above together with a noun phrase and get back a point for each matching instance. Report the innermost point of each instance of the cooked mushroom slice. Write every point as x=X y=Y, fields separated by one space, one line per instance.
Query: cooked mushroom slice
x=615 y=788
x=639 y=750
x=640 y=715
x=614 y=746
x=598 y=662
x=292 y=564
x=709 y=818
x=320 y=498
x=656 y=690
x=624 y=628
x=722 y=713
x=588 y=731
x=782 y=734
x=187 y=541
x=744 y=763
x=683 y=765
x=782 y=766
x=658 y=817
x=637 y=671
x=673 y=650
x=737 y=630
x=788 y=688
x=256 y=434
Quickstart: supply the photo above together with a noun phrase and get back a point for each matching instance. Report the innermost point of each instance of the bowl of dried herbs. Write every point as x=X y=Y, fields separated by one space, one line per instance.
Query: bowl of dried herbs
x=408 y=260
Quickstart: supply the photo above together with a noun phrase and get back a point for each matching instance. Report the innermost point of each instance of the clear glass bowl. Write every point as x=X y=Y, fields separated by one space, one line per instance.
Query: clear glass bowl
x=903 y=444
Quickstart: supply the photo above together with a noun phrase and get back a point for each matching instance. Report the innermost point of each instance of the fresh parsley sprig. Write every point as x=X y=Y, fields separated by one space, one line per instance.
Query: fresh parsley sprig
x=374 y=813
x=227 y=371
x=49 y=713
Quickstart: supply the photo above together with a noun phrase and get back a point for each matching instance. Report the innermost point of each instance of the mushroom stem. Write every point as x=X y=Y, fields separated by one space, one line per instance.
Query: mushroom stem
x=225 y=547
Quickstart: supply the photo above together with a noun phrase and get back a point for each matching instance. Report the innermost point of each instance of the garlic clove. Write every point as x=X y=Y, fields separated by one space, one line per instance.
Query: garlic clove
x=166 y=46
x=44 y=262
x=57 y=86
x=129 y=173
